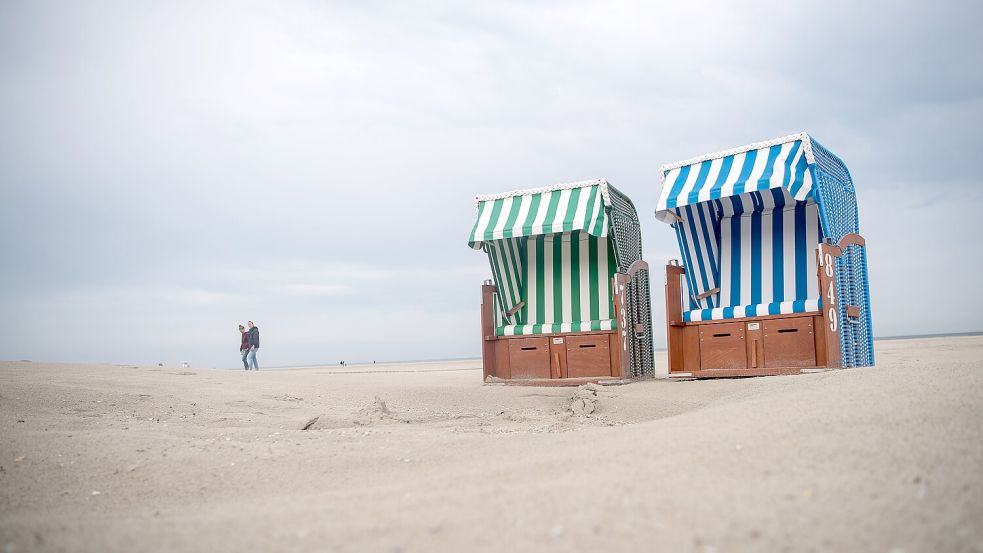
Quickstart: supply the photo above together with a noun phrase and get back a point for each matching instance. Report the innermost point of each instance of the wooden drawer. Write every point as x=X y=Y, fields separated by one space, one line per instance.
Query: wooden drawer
x=789 y=342
x=529 y=357
x=722 y=346
x=588 y=356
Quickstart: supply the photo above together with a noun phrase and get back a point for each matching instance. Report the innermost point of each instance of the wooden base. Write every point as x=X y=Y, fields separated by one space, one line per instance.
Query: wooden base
x=547 y=359
x=607 y=381
x=576 y=357
x=750 y=346
x=757 y=346
x=736 y=373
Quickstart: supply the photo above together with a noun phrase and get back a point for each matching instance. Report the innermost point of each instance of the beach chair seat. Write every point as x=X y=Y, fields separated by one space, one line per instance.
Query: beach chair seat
x=752 y=254
x=555 y=328
x=753 y=310
x=565 y=286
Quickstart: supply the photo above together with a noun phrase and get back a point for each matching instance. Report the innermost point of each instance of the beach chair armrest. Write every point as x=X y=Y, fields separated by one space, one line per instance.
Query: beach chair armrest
x=708 y=293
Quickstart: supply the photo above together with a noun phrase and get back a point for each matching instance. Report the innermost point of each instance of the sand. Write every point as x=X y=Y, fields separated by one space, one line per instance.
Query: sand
x=422 y=457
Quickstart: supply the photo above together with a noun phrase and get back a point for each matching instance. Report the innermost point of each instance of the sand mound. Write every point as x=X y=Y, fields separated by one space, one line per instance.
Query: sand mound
x=286 y=397
x=585 y=400
x=326 y=422
x=377 y=412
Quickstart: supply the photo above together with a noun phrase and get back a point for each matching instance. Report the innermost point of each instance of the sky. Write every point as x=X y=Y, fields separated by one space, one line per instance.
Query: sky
x=169 y=170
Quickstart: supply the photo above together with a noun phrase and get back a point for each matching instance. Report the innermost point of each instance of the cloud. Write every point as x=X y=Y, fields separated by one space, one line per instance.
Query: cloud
x=170 y=169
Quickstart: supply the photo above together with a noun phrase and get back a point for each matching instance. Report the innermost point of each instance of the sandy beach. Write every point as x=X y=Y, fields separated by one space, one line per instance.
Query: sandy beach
x=423 y=457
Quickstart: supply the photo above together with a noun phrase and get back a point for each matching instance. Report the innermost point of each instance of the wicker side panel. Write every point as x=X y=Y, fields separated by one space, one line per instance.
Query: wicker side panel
x=641 y=348
x=627 y=231
x=627 y=234
x=836 y=196
x=831 y=164
x=856 y=336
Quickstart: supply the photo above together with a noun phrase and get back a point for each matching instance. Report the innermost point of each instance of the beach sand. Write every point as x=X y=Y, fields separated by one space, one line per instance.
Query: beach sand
x=423 y=457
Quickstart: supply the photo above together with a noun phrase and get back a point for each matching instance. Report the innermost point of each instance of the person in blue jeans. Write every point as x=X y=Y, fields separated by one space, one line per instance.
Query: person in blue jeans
x=243 y=346
x=252 y=341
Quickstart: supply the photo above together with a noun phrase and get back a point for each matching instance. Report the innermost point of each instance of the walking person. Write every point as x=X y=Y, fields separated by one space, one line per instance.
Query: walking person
x=252 y=342
x=244 y=346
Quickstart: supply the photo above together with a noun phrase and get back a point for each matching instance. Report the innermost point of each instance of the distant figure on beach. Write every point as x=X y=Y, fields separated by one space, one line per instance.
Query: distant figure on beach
x=244 y=346
x=252 y=342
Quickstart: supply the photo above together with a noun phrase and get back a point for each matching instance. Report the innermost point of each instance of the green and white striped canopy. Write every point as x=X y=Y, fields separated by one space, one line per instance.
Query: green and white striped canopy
x=577 y=206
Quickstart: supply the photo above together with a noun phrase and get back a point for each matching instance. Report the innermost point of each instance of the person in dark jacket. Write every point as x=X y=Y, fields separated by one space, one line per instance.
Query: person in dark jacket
x=244 y=346
x=252 y=342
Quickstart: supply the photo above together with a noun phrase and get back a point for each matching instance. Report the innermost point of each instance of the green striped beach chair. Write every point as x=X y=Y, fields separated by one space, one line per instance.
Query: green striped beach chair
x=568 y=297
x=772 y=276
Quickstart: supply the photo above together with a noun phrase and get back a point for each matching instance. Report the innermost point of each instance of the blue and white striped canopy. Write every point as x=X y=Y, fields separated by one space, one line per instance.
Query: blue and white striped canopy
x=779 y=163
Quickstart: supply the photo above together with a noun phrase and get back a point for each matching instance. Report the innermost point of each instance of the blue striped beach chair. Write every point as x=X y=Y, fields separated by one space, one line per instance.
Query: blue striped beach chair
x=569 y=298
x=772 y=275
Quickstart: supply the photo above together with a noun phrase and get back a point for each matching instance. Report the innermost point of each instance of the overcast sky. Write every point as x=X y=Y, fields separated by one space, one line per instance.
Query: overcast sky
x=171 y=169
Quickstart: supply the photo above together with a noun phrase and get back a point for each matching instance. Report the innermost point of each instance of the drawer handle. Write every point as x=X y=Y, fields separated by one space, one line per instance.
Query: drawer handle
x=587 y=346
x=722 y=335
x=781 y=330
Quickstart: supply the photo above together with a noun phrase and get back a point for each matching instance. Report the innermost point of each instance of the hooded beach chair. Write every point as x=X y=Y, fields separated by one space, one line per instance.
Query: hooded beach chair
x=773 y=270
x=569 y=294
